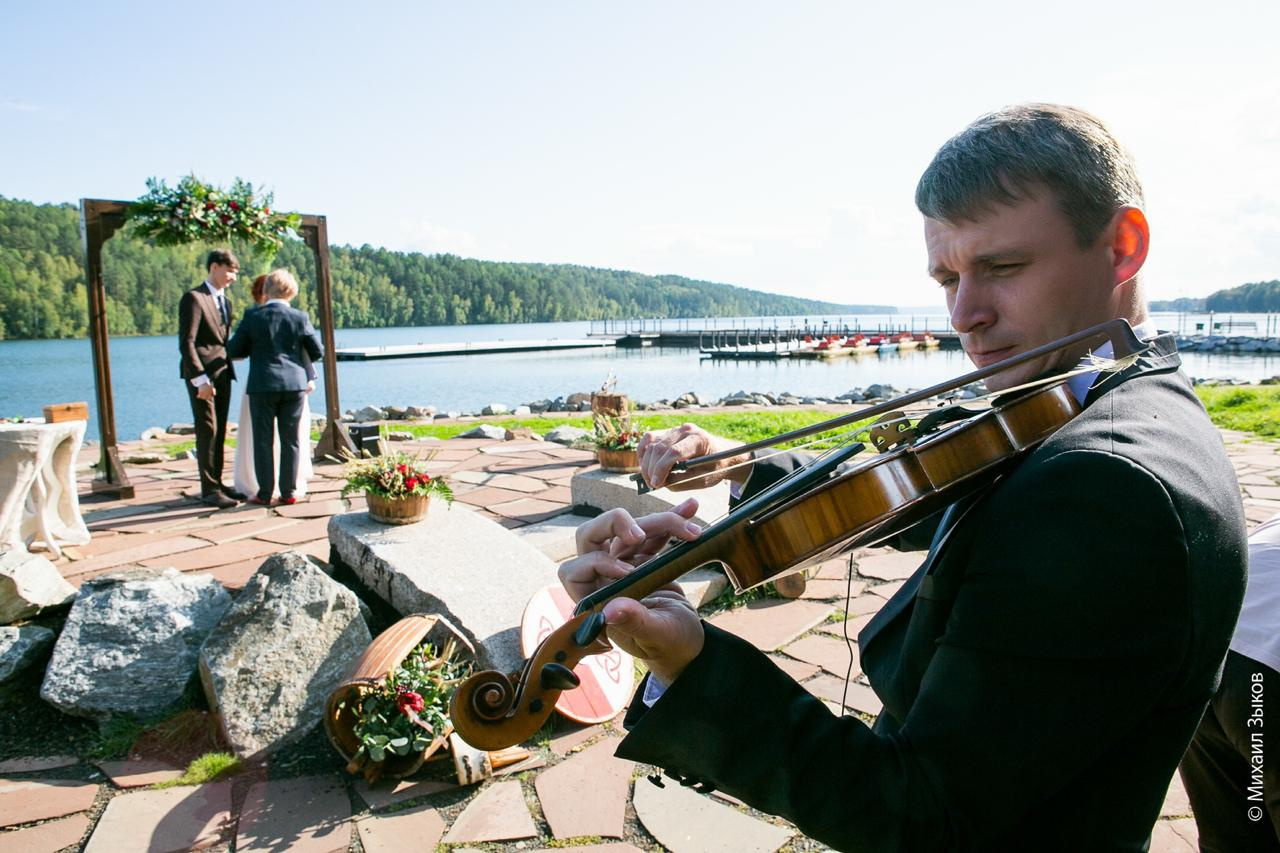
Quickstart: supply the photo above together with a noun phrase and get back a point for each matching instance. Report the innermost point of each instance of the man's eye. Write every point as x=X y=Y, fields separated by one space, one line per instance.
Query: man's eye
x=950 y=281
x=1005 y=269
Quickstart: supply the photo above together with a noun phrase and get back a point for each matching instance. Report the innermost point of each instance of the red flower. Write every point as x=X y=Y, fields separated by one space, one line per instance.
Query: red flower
x=233 y=205
x=225 y=218
x=409 y=701
x=411 y=483
x=425 y=478
x=266 y=210
x=208 y=205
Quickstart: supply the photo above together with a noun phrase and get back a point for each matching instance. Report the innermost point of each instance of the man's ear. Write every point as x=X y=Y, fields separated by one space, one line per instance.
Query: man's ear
x=1131 y=236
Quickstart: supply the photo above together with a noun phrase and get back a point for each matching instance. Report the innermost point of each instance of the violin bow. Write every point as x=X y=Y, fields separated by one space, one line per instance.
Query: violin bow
x=1124 y=343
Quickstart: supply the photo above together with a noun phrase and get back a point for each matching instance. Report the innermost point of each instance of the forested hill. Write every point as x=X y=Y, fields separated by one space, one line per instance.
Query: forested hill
x=42 y=290
x=1256 y=297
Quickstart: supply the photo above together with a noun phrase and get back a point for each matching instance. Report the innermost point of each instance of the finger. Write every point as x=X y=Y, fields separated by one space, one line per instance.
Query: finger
x=595 y=535
x=584 y=575
x=658 y=529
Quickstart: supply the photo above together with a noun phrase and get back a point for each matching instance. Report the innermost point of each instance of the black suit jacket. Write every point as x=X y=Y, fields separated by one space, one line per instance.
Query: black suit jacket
x=281 y=343
x=1042 y=673
x=202 y=337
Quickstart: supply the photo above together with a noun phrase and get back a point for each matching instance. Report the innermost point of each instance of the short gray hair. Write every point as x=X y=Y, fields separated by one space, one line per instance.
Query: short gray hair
x=1006 y=156
x=281 y=285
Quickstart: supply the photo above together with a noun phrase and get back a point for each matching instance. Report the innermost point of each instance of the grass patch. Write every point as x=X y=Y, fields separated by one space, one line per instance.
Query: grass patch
x=206 y=768
x=116 y=738
x=1254 y=409
x=740 y=426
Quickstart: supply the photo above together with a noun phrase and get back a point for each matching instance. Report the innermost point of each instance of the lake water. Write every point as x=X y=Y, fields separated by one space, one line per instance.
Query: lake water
x=148 y=392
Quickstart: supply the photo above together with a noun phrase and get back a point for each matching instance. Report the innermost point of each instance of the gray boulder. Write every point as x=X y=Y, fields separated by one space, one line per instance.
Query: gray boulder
x=522 y=411
x=181 y=429
x=566 y=435
x=537 y=407
x=485 y=431
x=28 y=584
x=131 y=641
x=286 y=643
x=21 y=647
x=371 y=413
x=420 y=412
x=579 y=399
x=152 y=433
x=399 y=435
x=495 y=409
x=881 y=390
x=396 y=413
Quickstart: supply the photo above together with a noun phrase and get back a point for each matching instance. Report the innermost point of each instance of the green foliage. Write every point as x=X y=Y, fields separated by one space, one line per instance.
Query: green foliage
x=615 y=433
x=42 y=284
x=1251 y=409
x=1255 y=297
x=116 y=737
x=395 y=475
x=193 y=212
x=206 y=768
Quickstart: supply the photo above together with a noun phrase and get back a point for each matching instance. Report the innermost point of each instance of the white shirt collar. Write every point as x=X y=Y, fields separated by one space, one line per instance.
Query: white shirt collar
x=1082 y=382
x=217 y=294
x=284 y=302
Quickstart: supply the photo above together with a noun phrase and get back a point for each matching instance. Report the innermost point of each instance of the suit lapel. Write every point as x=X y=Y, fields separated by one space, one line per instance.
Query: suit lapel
x=211 y=313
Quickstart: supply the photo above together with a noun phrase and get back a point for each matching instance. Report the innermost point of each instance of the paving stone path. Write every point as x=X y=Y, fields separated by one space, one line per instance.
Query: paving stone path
x=576 y=791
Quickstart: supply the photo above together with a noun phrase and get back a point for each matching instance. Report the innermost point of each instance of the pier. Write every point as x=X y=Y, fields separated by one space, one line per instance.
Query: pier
x=469 y=348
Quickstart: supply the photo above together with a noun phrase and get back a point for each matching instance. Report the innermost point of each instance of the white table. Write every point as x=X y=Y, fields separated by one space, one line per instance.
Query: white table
x=38 y=497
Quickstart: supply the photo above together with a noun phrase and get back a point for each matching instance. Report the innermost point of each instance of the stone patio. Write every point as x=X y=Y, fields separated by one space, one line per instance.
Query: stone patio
x=582 y=795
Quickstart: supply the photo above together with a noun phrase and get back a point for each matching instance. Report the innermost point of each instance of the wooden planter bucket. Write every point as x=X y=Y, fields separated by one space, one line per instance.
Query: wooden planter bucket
x=398 y=511
x=618 y=461
x=382 y=657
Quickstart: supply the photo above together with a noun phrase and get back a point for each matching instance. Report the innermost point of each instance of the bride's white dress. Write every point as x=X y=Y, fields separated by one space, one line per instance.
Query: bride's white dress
x=246 y=480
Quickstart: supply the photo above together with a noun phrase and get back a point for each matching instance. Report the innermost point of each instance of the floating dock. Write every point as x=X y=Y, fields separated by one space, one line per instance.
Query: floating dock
x=471 y=348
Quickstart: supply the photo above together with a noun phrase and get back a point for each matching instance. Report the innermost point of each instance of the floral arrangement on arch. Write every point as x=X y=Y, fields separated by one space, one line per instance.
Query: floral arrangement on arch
x=395 y=476
x=194 y=211
x=613 y=433
x=409 y=711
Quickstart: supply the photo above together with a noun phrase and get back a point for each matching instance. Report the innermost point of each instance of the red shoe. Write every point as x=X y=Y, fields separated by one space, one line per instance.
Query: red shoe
x=289 y=501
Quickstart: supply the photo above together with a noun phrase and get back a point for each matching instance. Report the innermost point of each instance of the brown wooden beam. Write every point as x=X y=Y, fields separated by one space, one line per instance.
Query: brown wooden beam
x=99 y=219
x=334 y=440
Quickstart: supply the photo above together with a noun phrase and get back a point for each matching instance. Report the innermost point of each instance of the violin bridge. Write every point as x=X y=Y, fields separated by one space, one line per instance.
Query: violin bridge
x=891 y=430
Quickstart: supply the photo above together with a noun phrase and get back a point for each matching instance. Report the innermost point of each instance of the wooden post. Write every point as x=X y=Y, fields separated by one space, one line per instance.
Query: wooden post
x=334 y=440
x=99 y=219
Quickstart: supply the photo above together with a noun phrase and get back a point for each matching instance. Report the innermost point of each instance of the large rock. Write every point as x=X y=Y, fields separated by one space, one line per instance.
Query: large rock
x=286 y=643
x=371 y=413
x=495 y=409
x=485 y=431
x=131 y=641
x=28 y=584
x=566 y=435
x=455 y=563
x=21 y=647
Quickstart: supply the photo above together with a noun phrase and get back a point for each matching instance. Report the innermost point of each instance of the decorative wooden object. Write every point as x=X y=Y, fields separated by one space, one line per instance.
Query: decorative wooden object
x=610 y=405
x=618 y=461
x=382 y=657
x=398 y=510
x=59 y=412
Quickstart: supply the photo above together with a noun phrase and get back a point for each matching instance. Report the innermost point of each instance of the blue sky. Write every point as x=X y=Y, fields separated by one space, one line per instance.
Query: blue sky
x=773 y=146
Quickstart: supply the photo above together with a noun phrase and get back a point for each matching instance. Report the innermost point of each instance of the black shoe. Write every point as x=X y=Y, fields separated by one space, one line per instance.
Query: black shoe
x=232 y=493
x=217 y=499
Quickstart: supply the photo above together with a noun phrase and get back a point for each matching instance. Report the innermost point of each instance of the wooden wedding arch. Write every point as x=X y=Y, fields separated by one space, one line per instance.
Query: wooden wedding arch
x=99 y=219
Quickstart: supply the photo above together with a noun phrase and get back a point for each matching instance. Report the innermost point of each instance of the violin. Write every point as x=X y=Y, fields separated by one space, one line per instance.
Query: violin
x=817 y=511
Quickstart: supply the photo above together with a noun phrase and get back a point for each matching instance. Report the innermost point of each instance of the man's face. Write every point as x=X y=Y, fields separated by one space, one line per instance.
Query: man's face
x=1015 y=279
x=221 y=276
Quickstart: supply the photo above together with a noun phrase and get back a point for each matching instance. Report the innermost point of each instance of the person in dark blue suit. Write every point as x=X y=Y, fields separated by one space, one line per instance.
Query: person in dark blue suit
x=278 y=340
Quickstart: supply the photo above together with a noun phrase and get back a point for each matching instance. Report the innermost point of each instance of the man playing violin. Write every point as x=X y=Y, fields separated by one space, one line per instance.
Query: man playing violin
x=1045 y=668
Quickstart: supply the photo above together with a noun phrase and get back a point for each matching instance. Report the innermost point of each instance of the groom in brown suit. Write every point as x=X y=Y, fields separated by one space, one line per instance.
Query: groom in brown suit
x=204 y=324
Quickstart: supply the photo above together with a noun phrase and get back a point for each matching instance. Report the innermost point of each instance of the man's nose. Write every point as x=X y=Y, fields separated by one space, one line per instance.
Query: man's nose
x=970 y=308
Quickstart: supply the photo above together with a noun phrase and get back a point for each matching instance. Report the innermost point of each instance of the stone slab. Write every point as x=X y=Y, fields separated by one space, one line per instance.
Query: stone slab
x=297 y=532
x=587 y=794
x=798 y=670
x=37 y=763
x=853 y=625
x=170 y=819
x=529 y=510
x=572 y=736
x=46 y=837
x=1176 y=801
x=616 y=847
x=412 y=829
x=826 y=652
x=859 y=697
x=457 y=564
x=768 y=624
x=821 y=589
x=138 y=774
x=604 y=491
x=889 y=565
x=305 y=815
x=217 y=555
x=555 y=536
x=391 y=792
x=498 y=813
x=684 y=821
x=1166 y=838
x=42 y=799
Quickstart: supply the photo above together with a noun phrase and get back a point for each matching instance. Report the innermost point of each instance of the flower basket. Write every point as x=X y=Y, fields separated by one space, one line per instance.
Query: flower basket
x=369 y=673
x=618 y=461
x=404 y=510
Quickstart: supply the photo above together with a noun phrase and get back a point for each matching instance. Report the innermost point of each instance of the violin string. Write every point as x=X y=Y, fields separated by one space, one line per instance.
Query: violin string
x=1090 y=363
